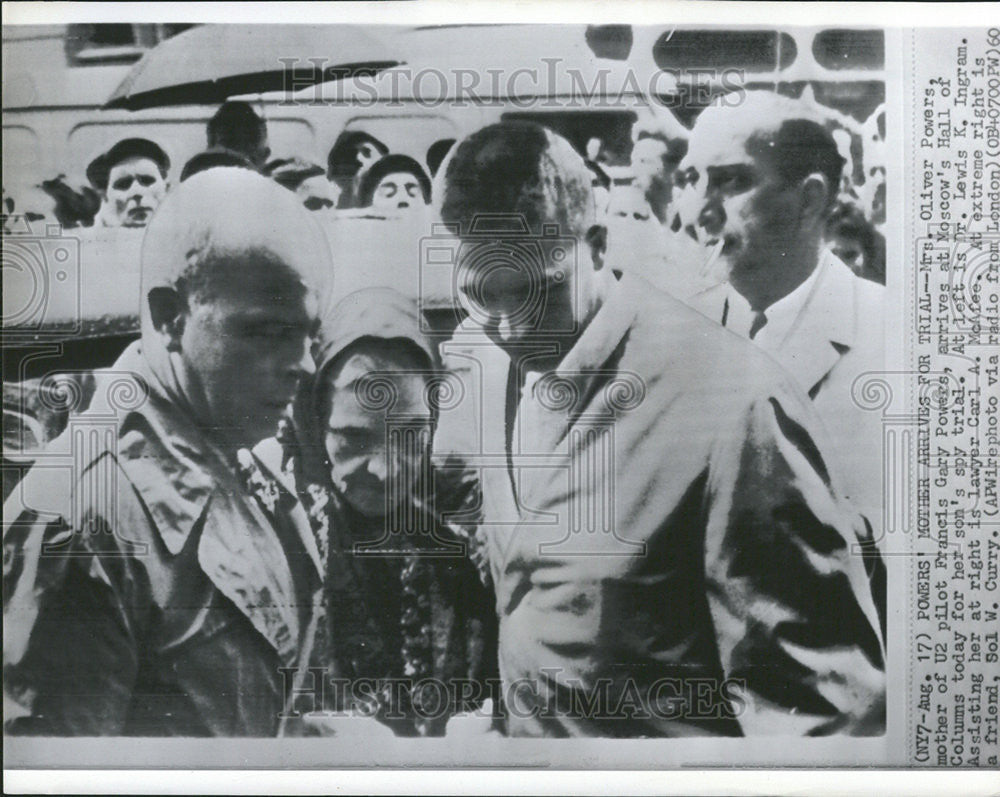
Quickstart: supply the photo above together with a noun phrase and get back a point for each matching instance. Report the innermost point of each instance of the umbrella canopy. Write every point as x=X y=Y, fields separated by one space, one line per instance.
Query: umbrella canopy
x=491 y=63
x=210 y=63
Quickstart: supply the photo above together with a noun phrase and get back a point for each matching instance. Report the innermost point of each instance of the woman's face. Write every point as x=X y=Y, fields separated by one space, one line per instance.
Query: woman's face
x=378 y=430
x=398 y=191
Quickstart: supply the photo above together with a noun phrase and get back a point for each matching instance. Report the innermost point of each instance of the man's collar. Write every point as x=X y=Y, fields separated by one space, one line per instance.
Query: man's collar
x=166 y=458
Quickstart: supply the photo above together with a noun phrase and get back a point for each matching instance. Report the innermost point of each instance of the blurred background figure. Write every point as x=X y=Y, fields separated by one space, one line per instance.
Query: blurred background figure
x=645 y=229
x=352 y=153
x=73 y=208
x=873 y=193
x=393 y=183
x=854 y=239
x=658 y=148
x=237 y=128
x=437 y=152
x=595 y=159
x=131 y=178
x=235 y=136
x=306 y=179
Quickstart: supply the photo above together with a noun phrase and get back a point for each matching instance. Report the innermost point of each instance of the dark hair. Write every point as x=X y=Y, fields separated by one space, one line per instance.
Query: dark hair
x=848 y=220
x=437 y=152
x=509 y=168
x=388 y=165
x=342 y=162
x=798 y=148
x=73 y=208
x=236 y=126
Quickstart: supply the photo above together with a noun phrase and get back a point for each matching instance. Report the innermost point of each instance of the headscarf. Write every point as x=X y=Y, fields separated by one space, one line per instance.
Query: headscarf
x=411 y=616
x=370 y=313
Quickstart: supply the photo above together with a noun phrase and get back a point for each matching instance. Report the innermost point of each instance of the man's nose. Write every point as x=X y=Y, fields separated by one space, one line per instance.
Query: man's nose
x=712 y=217
x=377 y=465
x=304 y=366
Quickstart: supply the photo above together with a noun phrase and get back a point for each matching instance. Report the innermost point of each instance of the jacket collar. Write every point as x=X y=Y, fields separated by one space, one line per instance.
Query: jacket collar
x=555 y=400
x=826 y=326
x=185 y=484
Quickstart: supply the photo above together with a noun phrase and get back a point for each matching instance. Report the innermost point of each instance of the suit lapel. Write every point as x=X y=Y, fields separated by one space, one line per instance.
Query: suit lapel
x=824 y=328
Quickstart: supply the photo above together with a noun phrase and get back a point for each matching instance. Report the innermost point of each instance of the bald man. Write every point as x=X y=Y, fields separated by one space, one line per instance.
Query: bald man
x=668 y=556
x=145 y=592
x=762 y=178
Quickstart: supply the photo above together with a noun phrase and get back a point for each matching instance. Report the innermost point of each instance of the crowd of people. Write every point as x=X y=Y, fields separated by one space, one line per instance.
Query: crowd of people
x=361 y=172
x=128 y=181
x=663 y=520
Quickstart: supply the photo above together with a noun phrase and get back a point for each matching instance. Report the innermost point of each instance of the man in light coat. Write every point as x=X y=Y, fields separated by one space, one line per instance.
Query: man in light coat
x=668 y=555
x=146 y=592
x=763 y=177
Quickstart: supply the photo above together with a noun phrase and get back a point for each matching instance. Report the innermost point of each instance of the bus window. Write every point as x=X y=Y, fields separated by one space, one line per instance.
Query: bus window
x=850 y=49
x=750 y=50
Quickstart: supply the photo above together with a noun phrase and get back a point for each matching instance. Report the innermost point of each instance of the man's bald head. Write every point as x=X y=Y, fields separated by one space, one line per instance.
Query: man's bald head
x=519 y=169
x=228 y=225
x=789 y=134
x=231 y=268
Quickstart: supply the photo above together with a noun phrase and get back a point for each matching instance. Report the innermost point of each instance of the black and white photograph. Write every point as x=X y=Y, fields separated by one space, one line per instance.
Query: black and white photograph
x=395 y=391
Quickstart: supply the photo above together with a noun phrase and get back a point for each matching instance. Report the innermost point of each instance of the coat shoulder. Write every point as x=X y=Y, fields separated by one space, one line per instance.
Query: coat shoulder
x=679 y=346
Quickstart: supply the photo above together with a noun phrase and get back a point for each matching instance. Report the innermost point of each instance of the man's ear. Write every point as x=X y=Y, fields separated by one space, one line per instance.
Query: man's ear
x=597 y=240
x=167 y=310
x=815 y=198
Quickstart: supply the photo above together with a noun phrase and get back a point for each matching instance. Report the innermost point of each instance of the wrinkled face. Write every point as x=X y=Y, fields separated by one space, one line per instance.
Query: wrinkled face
x=521 y=291
x=744 y=213
x=378 y=430
x=399 y=190
x=135 y=190
x=247 y=347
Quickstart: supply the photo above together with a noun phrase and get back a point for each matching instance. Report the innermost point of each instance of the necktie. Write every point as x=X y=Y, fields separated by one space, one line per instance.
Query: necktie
x=759 y=320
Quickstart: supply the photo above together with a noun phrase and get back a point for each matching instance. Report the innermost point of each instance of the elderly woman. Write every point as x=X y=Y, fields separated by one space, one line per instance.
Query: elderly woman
x=406 y=608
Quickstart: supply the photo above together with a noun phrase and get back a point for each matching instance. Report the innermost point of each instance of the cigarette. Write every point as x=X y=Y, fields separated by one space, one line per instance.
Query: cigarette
x=712 y=257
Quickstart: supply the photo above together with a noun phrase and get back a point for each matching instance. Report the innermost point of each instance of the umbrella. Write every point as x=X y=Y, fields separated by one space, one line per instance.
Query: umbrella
x=501 y=63
x=210 y=63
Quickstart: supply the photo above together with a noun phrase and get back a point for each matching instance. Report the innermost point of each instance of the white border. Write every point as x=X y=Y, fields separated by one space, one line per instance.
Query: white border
x=839 y=783
x=437 y=12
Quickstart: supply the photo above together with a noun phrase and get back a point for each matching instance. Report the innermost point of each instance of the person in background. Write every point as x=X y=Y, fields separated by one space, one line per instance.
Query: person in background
x=404 y=602
x=854 y=239
x=147 y=593
x=352 y=154
x=73 y=208
x=236 y=127
x=235 y=136
x=661 y=519
x=394 y=183
x=437 y=152
x=131 y=179
x=657 y=151
x=644 y=228
x=307 y=180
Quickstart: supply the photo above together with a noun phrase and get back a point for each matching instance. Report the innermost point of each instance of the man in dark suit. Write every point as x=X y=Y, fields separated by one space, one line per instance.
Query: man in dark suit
x=668 y=555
